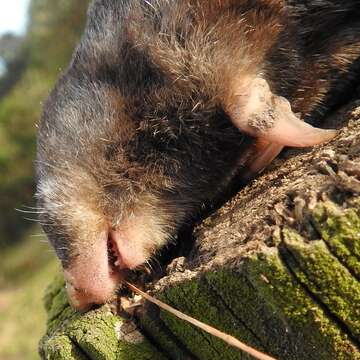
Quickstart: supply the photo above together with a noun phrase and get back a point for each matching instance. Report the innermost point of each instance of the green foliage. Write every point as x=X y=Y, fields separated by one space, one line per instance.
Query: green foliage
x=24 y=269
x=54 y=29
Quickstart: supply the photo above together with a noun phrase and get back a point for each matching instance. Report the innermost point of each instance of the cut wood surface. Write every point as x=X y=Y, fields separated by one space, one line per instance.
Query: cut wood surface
x=278 y=267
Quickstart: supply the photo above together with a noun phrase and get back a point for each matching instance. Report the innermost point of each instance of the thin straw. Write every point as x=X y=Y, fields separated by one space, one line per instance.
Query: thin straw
x=231 y=340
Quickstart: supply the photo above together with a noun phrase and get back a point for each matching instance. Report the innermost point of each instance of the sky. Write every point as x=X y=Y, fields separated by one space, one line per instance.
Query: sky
x=13 y=16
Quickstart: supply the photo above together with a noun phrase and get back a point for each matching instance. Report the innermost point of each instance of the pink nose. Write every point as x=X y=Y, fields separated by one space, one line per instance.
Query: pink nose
x=91 y=278
x=95 y=273
x=83 y=293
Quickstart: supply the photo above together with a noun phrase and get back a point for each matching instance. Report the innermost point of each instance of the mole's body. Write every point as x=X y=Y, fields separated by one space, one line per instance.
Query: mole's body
x=163 y=102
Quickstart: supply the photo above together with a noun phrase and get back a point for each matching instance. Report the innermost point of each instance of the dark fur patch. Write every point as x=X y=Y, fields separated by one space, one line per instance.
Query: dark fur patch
x=141 y=107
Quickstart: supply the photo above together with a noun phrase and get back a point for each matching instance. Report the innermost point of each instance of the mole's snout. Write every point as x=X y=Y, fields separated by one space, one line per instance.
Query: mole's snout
x=92 y=276
x=97 y=268
x=83 y=299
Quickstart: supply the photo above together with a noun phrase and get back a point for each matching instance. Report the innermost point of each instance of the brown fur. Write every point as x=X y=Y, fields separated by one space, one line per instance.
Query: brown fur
x=139 y=121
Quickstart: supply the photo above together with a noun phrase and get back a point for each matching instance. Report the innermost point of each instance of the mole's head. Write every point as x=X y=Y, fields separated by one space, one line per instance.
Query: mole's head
x=118 y=174
x=135 y=139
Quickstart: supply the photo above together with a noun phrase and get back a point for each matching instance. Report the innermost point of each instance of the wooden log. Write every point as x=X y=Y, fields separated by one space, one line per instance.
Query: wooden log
x=278 y=267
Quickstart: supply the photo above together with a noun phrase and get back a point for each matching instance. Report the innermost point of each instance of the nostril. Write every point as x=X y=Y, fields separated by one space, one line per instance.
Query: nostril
x=77 y=298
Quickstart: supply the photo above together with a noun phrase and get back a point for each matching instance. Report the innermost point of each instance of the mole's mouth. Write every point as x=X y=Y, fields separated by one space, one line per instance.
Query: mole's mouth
x=114 y=256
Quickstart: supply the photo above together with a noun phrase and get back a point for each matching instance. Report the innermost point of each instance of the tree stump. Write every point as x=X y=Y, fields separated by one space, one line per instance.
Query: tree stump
x=278 y=266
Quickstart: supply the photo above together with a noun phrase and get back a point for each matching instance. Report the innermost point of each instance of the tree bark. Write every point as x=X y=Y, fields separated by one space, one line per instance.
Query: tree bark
x=278 y=267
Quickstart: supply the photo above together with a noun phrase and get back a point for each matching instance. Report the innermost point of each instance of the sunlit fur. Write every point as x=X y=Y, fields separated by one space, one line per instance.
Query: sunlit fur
x=137 y=121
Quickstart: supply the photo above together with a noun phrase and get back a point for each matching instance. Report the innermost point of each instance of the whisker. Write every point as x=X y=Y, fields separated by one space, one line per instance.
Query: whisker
x=33 y=207
x=29 y=211
x=148 y=267
x=32 y=220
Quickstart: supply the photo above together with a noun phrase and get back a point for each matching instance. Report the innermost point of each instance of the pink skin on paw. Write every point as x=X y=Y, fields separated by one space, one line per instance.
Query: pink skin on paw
x=262 y=114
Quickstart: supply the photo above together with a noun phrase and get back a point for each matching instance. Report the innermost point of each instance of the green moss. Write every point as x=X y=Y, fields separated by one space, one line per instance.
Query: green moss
x=326 y=278
x=341 y=231
x=160 y=334
x=94 y=335
x=143 y=351
x=189 y=298
x=248 y=306
x=305 y=324
x=57 y=305
x=288 y=304
x=262 y=304
x=60 y=347
x=56 y=302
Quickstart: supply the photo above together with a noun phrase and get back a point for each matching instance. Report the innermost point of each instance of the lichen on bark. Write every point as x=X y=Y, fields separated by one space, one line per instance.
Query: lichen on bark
x=98 y=334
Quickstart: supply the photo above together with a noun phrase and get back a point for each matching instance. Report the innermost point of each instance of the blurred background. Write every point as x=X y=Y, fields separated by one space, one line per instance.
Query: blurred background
x=37 y=38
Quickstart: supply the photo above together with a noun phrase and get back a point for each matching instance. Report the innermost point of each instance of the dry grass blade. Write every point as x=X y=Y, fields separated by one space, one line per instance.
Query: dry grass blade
x=209 y=329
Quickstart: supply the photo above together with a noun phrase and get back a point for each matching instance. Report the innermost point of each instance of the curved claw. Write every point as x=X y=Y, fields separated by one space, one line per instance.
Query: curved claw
x=262 y=154
x=258 y=112
x=294 y=132
x=264 y=157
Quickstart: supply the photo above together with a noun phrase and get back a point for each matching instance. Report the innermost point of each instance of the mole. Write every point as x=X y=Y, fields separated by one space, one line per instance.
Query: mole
x=163 y=104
